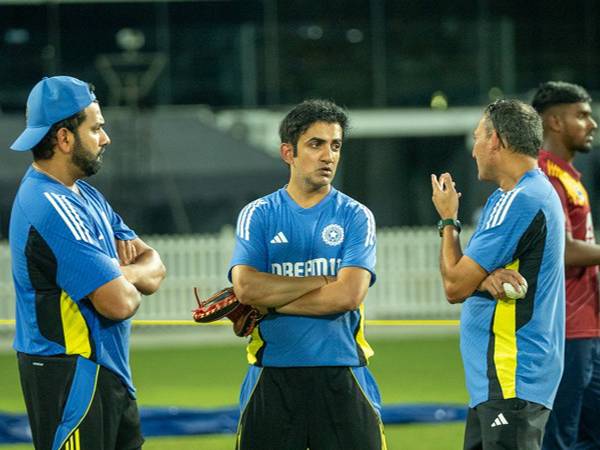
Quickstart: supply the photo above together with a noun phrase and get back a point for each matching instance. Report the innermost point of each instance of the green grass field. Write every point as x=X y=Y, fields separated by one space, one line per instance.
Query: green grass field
x=408 y=370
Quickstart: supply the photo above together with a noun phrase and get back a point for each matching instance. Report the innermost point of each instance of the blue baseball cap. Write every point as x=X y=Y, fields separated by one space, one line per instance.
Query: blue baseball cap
x=50 y=101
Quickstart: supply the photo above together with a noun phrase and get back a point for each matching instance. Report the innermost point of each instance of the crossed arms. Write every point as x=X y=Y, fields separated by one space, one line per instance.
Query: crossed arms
x=311 y=296
x=142 y=272
x=462 y=276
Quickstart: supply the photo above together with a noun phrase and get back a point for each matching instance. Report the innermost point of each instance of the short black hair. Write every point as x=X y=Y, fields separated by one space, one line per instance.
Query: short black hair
x=45 y=148
x=303 y=115
x=517 y=124
x=553 y=93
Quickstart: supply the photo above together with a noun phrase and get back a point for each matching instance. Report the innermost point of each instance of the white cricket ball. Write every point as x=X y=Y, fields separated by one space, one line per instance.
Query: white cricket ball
x=512 y=293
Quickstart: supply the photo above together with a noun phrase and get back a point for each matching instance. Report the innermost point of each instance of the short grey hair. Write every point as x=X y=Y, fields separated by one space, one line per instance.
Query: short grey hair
x=518 y=125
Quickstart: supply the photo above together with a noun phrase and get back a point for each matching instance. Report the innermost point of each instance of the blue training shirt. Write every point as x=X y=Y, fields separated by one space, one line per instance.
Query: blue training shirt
x=63 y=248
x=514 y=348
x=276 y=235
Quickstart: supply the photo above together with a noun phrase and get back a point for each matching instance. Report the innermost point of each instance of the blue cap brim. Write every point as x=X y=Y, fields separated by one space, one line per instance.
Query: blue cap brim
x=29 y=138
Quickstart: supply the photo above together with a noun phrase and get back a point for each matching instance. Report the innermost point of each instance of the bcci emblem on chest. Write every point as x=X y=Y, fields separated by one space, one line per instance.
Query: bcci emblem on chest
x=333 y=234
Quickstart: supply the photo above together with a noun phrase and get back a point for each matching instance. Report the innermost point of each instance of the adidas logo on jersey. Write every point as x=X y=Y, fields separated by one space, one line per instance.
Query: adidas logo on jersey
x=279 y=239
x=499 y=421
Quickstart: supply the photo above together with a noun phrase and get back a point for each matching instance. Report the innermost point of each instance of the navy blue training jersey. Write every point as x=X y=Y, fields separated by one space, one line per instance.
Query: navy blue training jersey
x=63 y=248
x=514 y=348
x=276 y=235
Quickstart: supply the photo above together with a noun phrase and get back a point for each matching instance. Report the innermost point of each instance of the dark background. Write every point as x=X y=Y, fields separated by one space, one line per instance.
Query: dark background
x=166 y=173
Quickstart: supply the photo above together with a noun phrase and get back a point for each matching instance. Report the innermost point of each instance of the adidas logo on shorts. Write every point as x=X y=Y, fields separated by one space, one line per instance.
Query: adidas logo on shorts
x=499 y=421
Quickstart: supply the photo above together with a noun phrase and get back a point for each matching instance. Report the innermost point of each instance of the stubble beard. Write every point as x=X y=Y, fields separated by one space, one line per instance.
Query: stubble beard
x=580 y=146
x=317 y=185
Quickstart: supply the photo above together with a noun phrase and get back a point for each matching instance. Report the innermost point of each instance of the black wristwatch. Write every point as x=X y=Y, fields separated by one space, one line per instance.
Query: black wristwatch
x=443 y=223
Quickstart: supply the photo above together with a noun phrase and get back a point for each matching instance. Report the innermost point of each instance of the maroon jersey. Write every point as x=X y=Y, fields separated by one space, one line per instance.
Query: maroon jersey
x=583 y=315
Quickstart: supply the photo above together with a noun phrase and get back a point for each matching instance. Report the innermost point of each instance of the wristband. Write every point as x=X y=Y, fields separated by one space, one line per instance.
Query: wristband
x=448 y=222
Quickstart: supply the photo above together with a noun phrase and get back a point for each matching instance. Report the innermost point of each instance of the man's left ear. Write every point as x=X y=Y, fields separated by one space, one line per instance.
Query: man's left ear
x=287 y=152
x=64 y=140
x=497 y=141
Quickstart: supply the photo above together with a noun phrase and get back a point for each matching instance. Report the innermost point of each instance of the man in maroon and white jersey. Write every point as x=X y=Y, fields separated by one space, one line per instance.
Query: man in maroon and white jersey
x=569 y=129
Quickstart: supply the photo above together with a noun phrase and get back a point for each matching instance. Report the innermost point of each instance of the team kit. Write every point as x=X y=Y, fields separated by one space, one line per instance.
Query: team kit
x=304 y=259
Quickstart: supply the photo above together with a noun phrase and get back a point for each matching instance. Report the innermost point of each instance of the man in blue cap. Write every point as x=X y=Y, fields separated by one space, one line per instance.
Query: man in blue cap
x=78 y=272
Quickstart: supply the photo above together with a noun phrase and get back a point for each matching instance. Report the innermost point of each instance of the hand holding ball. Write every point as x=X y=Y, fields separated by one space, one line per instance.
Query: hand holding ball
x=514 y=294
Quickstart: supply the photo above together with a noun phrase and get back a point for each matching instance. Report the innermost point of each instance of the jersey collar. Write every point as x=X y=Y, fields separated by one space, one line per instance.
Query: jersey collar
x=316 y=208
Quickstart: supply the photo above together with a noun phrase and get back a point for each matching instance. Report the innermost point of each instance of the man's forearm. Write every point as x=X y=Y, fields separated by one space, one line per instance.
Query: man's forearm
x=333 y=298
x=581 y=253
x=460 y=274
x=450 y=254
x=269 y=290
x=345 y=293
x=146 y=273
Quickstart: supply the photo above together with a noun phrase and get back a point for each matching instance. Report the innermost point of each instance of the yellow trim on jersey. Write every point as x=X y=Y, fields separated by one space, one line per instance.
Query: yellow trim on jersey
x=255 y=344
x=505 y=342
x=361 y=340
x=574 y=189
x=77 y=337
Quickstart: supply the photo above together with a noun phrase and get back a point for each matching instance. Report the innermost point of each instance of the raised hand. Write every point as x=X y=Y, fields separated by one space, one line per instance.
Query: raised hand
x=444 y=196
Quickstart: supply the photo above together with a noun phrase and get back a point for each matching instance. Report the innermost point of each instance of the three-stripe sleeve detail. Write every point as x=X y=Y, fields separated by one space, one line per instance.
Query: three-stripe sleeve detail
x=501 y=208
x=245 y=218
x=70 y=216
x=370 y=237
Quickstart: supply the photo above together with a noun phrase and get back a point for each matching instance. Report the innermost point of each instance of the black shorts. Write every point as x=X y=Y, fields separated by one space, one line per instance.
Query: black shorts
x=320 y=408
x=75 y=404
x=506 y=424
